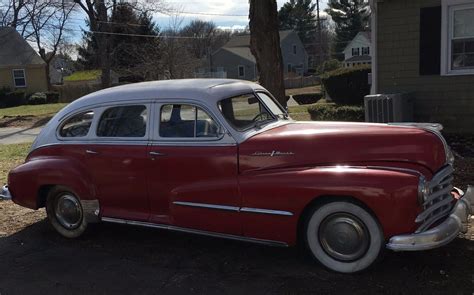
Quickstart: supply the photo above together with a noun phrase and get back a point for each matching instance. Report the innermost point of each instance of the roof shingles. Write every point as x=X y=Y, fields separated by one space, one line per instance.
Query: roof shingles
x=15 y=51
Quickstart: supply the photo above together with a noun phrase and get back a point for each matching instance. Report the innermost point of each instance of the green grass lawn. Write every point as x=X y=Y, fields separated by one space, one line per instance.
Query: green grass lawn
x=32 y=110
x=11 y=155
x=84 y=75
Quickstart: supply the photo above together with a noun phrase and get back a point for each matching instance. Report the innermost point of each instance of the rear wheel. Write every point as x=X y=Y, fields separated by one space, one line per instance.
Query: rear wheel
x=343 y=236
x=65 y=212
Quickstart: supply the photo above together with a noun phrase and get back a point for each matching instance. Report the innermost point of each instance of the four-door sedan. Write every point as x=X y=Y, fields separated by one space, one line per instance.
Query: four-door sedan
x=223 y=158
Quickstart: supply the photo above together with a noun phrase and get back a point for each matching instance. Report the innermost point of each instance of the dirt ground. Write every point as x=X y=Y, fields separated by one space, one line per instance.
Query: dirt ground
x=125 y=259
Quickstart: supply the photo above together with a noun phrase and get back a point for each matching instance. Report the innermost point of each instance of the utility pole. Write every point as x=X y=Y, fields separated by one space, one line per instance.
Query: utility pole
x=320 y=32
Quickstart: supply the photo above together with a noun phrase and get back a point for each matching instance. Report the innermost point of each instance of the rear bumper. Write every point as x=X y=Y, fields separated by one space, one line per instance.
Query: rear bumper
x=5 y=193
x=442 y=234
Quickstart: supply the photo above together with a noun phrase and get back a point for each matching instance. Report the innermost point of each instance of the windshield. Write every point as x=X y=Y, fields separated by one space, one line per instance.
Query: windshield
x=247 y=111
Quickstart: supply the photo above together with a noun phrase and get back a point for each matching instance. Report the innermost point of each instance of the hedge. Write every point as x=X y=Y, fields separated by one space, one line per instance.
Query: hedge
x=10 y=98
x=347 y=86
x=332 y=112
x=307 y=98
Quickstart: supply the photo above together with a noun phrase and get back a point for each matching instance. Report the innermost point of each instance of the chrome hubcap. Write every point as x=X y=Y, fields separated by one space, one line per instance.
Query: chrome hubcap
x=68 y=211
x=344 y=237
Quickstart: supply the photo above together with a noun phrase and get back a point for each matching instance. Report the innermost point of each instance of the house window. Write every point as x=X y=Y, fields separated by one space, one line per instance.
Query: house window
x=355 y=51
x=241 y=71
x=365 y=50
x=19 y=78
x=294 y=49
x=458 y=37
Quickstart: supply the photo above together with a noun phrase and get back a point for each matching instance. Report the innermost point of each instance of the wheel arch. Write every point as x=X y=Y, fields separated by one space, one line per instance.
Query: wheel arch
x=321 y=200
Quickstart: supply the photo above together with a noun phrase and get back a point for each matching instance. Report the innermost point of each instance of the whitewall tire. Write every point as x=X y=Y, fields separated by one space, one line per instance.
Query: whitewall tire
x=65 y=212
x=343 y=237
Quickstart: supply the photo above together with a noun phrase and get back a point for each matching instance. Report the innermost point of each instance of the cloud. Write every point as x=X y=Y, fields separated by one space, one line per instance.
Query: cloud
x=226 y=14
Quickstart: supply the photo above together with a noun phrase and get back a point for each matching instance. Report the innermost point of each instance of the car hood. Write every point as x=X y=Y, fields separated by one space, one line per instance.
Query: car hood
x=340 y=143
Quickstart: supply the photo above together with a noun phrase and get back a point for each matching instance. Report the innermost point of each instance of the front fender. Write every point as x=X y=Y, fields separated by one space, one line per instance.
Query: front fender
x=390 y=195
x=25 y=181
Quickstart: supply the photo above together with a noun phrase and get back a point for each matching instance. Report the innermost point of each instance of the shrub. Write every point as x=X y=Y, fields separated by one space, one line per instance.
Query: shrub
x=10 y=99
x=307 y=98
x=37 y=98
x=332 y=112
x=347 y=85
x=329 y=65
x=52 y=97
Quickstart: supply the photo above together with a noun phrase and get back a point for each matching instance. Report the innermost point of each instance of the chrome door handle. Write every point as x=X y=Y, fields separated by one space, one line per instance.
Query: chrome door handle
x=91 y=152
x=156 y=154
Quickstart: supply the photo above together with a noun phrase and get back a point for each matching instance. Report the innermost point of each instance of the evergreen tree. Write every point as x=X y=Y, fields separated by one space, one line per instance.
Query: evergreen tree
x=299 y=15
x=129 y=48
x=350 y=17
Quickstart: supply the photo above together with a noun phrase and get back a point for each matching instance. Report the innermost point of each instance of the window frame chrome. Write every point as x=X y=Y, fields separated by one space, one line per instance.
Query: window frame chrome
x=224 y=138
x=98 y=110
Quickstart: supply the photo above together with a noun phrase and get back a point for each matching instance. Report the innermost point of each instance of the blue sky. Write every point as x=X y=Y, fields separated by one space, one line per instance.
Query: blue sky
x=235 y=13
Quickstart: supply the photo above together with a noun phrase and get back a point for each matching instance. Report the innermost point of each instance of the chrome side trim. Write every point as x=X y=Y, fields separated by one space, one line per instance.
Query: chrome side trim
x=265 y=211
x=234 y=208
x=195 y=231
x=208 y=206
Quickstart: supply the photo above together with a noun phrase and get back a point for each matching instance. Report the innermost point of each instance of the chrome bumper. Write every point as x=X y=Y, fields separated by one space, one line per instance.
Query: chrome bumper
x=5 y=193
x=441 y=234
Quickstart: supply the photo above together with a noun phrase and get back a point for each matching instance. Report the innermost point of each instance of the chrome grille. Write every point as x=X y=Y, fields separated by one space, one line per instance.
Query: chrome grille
x=439 y=203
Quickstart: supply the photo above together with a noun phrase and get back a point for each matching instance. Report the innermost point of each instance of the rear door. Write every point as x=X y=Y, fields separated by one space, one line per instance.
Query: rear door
x=192 y=180
x=117 y=160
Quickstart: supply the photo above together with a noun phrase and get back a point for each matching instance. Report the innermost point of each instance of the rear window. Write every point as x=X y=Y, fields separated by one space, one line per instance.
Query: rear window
x=78 y=125
x=123 y=121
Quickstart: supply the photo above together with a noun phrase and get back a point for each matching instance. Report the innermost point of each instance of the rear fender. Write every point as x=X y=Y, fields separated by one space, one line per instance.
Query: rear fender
x=25 y=181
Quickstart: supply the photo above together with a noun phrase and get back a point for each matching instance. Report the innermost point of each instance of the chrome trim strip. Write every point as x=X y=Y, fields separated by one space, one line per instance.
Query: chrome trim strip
x=208 y=206
x=265 y=211
x=234 y=208
x=195 y=231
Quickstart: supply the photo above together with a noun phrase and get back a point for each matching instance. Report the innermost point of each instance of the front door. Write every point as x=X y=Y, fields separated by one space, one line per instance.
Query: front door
x=117 y=161
x=192 y=180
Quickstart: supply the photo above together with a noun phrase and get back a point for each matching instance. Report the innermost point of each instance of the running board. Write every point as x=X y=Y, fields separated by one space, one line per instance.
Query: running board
x=195 y=231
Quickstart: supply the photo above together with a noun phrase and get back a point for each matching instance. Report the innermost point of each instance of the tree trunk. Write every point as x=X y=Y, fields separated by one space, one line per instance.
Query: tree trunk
x=265 y=46
x=103 y=44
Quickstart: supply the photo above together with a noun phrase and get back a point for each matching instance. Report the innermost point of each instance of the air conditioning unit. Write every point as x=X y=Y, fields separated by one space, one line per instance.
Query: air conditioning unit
x=385 y=108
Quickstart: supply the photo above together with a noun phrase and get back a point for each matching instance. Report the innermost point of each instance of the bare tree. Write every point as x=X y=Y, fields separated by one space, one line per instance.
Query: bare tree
x=48 y=21
x=265 y=46
x=178 y=61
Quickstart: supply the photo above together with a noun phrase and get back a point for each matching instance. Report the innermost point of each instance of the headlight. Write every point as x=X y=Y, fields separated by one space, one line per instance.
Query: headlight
x=423 y=190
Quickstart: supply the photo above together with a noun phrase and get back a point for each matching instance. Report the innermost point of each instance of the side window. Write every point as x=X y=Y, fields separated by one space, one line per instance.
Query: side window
x=123 y=121
x=77 y=126
x=186 y=121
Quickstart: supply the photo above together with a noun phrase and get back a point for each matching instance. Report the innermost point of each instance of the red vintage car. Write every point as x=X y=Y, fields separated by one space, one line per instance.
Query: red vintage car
x=223 y=158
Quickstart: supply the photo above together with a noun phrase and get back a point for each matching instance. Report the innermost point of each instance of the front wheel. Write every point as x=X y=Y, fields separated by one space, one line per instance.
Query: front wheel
x=65 y=212
x=343 y=236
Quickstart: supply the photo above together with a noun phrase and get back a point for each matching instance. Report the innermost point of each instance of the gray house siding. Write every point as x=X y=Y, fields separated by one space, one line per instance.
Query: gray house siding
x=300 y=58
x=230 y=63
x=445 y=99
x=237 y=52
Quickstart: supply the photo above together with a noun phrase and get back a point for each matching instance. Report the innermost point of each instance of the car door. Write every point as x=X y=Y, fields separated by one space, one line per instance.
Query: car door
x=192 y=181
x=117 y=159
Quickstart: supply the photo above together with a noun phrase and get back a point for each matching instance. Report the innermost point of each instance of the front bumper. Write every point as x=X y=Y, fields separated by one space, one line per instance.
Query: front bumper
x=442 y=234
x=5 y=193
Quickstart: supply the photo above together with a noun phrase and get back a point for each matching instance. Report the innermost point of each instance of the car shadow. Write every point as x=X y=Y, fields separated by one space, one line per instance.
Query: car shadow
x=114 y=258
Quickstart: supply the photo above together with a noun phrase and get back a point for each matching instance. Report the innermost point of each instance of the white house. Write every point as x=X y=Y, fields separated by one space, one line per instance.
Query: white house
x=358 y=51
